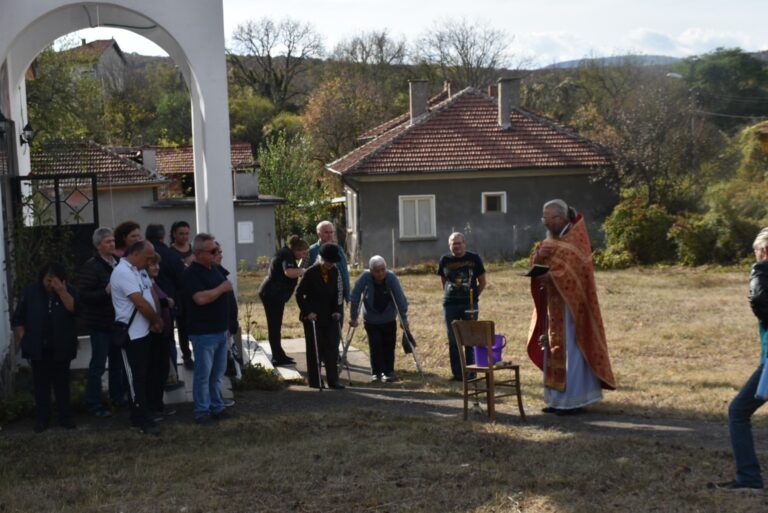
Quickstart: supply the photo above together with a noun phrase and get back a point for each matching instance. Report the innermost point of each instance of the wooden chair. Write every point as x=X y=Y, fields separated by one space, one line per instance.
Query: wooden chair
x=487 y=381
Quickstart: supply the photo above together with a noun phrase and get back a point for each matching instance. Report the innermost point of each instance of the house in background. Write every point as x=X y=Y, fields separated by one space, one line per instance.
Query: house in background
x=129 y=189
x=470 y=162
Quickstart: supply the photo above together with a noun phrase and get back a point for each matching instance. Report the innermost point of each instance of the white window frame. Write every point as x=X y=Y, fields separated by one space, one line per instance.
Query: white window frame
x=502 y=194
x=433 y=225
x=245 y=232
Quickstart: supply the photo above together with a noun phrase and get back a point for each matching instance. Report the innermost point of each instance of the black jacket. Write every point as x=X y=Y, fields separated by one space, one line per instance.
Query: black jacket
x=314 y=295
x=171 y=271
x=758 y=292
x=96 y=308
x=49 y=328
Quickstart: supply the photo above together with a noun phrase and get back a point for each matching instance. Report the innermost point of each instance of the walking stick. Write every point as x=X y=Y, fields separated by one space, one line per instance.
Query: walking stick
x=317 y=357
x=408 y=336
x=343 y=359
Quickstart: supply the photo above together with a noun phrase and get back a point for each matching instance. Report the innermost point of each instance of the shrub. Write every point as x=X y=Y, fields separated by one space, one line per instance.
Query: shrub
x=612 y=258
x=258 y=377
x=640 y=231
x=695 y=239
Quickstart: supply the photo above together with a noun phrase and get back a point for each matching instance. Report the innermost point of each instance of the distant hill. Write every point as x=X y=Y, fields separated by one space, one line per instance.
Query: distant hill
x=638 y=60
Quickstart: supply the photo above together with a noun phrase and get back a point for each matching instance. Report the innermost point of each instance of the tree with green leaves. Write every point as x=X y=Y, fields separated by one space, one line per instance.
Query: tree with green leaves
x=288 y=171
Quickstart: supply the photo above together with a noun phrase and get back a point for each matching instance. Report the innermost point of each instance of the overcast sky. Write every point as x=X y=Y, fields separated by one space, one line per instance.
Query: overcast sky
x=544 y=31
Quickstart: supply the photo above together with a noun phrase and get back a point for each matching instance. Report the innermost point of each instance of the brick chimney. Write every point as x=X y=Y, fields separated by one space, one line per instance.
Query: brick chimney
x=418 y=96
x=447 y=87
x=509 y=98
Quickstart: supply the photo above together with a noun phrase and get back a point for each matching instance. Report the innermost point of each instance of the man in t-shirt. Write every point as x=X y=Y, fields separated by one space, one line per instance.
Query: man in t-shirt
x=463 y=278
x=132 y=292
x=205 y=292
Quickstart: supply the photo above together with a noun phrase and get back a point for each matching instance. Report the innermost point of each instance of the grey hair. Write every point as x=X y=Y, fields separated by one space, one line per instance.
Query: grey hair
x=761 y=241
x=323 y=223
x=200 y=239
x=559 y=205
x=377 y=261
x=99 y=234
x=454 y=235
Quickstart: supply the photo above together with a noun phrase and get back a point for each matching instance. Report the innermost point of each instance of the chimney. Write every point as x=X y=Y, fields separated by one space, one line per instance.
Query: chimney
x=419 y=100
x=447 y=87
x=82 y=42
x=149 y=159
x=509 y=98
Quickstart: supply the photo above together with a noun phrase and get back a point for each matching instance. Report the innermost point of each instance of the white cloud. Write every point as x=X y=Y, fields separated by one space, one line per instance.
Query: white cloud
x=652 y=42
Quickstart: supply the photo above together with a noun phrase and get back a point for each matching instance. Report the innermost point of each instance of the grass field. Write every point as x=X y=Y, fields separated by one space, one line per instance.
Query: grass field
x=682 y=342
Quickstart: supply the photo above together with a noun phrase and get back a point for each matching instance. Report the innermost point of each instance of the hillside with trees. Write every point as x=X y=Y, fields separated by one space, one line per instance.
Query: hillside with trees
x=688 y=136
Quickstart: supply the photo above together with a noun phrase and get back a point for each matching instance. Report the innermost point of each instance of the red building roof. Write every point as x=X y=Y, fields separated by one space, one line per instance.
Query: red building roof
x=90 y=157
x=181 y=160
x=462 y=133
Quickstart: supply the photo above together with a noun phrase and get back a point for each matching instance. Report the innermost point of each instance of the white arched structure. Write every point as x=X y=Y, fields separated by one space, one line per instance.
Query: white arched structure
x=191 y=31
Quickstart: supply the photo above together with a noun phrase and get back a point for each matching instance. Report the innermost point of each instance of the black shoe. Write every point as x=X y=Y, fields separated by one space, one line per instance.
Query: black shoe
x=571 y=411
x=68 y=424
x=337 y=386
x=222 y=415
x=189 y=363
x=101 y=413
x=204 y=420
x=150 y=428
x=549 y=409
x=282 y=361
x=735 y=486
x=40 y=427
x=174 y=386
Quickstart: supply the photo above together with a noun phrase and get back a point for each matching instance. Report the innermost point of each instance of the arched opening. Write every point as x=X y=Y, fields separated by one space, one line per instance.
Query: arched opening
x=190 y=31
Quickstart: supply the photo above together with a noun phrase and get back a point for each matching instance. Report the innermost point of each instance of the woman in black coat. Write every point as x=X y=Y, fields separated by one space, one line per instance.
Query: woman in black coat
x=276 y=290
x=320 y=300
x=44 y=322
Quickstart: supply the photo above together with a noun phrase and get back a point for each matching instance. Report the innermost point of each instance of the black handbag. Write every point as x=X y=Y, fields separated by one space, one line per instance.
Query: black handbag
x=407 y=337
x=120 y=337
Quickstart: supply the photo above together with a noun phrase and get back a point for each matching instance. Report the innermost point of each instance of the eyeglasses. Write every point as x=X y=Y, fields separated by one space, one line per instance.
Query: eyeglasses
x=215 y=251
x=545 y=219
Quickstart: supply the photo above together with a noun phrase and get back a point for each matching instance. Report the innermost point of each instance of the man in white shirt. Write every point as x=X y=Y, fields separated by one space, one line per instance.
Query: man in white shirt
x=132 y=291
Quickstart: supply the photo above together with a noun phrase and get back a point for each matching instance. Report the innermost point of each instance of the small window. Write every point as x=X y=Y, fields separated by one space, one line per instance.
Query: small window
x=494 y=202
x=245 y=232
x=417 y=217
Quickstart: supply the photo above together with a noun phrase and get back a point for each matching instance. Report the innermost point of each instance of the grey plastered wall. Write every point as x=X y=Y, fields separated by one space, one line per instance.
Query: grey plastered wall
x=495 y=236
x=139 y=205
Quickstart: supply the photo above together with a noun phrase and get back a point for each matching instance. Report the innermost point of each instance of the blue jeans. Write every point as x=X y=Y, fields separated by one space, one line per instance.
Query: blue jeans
x=740 y=425
x=210 y=352
x=101 y=351
x=453 y=313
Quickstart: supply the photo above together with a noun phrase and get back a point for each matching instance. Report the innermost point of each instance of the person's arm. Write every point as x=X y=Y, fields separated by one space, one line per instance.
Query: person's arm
x=400 y=300
x=354 y=299
x=344 y=270
x=205 y=297
x=145 y=309
x=301 y=300
x=19 y=318
x=66 y=298
x=290 y=270
x=91 y=291
x=480 y=284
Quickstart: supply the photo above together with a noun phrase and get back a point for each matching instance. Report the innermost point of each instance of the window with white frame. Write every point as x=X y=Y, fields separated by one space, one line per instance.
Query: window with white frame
x=494 y=202
x=417 y=217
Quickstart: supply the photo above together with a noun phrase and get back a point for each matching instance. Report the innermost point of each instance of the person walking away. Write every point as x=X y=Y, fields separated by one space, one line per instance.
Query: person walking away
x=745 y=404
x=375 y=291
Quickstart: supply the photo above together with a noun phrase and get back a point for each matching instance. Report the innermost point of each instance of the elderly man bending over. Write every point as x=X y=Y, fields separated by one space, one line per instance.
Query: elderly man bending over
x=382 y=297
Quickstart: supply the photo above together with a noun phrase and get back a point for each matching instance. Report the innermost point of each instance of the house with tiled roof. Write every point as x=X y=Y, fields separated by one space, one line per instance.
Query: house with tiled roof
x=472 y=162
x=103 y=59
x=130 y=186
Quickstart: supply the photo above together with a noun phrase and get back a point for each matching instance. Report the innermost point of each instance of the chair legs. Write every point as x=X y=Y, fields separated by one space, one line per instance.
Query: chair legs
x=519 y=393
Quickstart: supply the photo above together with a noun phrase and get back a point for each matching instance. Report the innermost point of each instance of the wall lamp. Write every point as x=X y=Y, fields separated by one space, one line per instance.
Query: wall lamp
x=27 y=134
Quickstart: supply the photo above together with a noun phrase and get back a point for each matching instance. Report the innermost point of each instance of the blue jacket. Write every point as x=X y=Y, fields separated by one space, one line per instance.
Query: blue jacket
x=342 y=266
x=364 y=288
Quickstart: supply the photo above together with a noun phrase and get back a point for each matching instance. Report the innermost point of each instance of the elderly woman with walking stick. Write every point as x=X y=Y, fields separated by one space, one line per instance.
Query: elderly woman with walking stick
x=320 y=297
x=382 y=297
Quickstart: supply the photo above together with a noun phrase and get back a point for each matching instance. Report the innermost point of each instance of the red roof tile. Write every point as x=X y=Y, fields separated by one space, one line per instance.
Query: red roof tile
x=91 y=157
x=403 y=118
x=462 y=134
x=93 y=50
x=181 y=160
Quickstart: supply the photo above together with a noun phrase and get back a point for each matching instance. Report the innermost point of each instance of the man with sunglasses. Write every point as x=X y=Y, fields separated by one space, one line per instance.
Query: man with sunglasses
x=206 y=290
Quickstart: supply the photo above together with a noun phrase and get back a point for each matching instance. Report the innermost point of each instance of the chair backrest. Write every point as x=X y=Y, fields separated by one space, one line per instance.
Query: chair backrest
x=473 y=334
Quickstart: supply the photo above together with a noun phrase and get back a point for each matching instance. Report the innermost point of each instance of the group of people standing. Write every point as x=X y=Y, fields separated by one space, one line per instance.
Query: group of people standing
x=140 y=285
x=321 y=296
